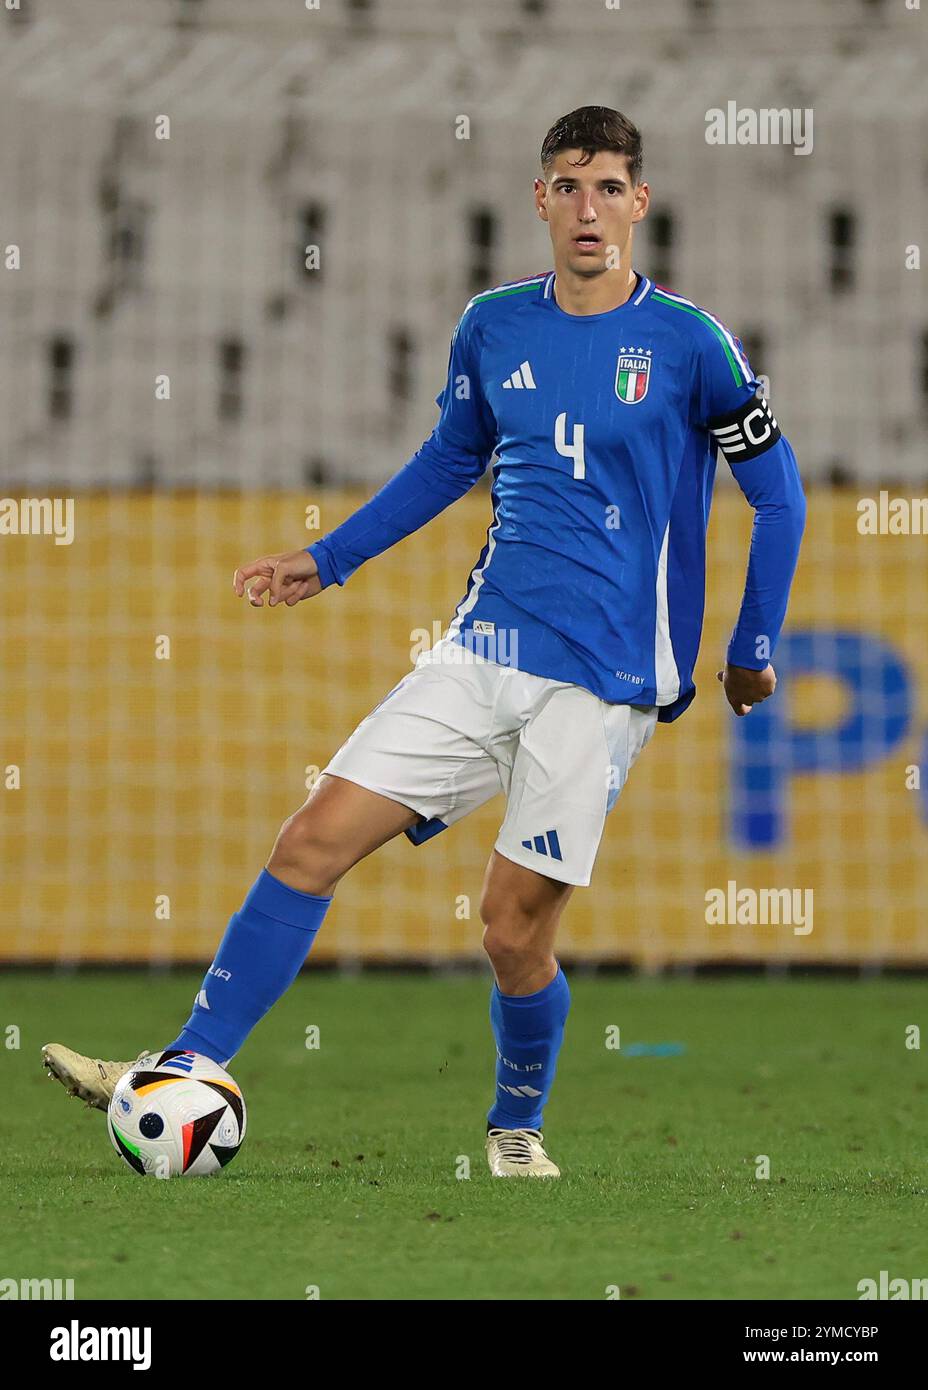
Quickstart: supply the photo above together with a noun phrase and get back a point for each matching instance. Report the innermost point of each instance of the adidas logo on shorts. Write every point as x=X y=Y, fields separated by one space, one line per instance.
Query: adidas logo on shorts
x=546 y=844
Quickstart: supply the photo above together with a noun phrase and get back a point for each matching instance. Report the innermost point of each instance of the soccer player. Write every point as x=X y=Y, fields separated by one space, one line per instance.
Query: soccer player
x=606 y=399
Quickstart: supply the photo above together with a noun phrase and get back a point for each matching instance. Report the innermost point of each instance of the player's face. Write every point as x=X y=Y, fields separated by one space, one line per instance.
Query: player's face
x=590 y=210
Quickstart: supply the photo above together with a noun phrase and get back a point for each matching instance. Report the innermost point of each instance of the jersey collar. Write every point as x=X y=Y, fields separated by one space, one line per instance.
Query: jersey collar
x=637 y=297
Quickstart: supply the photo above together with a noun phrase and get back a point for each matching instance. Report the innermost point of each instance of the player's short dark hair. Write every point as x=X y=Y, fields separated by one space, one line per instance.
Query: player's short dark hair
x=591 y=129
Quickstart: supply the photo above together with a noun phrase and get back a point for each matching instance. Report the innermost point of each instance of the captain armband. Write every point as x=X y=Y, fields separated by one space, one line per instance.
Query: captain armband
x=745 y=433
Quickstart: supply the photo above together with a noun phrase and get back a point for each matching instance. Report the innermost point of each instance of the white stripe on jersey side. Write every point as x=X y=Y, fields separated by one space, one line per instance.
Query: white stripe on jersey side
x=548 y=286
x=476 y=575
x=667 y=677
x=742 y=360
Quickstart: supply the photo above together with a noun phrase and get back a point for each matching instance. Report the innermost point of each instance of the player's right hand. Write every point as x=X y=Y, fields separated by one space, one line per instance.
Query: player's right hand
x=285 y=578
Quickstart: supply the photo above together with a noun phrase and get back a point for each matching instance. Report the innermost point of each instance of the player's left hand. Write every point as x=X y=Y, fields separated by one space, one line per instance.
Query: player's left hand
x=745 y=688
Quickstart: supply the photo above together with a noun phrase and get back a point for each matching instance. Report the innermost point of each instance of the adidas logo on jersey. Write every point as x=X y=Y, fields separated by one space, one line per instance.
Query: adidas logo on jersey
x=521 y=379
x=545 y=844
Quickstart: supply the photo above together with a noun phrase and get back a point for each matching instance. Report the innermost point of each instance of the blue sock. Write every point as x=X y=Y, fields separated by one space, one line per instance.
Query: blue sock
x=264 y=947
x=529 y=1029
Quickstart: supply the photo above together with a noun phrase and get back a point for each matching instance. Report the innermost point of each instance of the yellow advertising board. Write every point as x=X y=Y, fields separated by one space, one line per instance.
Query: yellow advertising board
x=156 y=731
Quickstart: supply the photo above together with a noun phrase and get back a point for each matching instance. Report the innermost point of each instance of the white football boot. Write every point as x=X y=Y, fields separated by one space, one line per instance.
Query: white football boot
x=88 y=1078
x=519 y=1153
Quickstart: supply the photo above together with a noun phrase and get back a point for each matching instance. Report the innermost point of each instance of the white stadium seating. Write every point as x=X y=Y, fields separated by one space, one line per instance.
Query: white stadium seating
x=143 y=257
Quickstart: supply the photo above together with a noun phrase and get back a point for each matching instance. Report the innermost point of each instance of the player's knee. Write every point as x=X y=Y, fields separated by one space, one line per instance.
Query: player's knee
x=512 y=936
x=304 y=851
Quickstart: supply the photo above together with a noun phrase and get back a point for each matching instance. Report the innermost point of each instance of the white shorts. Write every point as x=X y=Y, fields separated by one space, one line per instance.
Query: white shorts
x=458 y=729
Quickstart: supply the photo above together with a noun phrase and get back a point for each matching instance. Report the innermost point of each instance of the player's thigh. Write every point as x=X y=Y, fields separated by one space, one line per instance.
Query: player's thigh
x=339 y=824
x=520 y=907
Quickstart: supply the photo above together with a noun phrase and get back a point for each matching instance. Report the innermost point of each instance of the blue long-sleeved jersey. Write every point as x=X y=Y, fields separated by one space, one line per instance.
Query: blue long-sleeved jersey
x=606 y=429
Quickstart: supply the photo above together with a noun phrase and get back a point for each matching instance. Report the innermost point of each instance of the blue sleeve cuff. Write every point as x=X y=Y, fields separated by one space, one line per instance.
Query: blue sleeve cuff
x=327 y=571
x=741 y=653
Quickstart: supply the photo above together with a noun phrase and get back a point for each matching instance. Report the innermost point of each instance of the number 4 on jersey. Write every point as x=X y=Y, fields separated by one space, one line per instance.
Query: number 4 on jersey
x=574 y=450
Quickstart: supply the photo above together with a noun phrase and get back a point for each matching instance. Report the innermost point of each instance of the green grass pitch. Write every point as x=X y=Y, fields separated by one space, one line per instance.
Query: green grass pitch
x=349 y=1182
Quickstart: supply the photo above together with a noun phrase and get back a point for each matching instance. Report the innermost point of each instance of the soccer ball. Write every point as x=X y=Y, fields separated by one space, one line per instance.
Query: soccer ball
x=176 y=1114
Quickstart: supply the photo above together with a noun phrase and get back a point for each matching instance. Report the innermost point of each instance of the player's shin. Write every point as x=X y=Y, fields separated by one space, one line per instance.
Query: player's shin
x=529 y=1029
x=259 y=957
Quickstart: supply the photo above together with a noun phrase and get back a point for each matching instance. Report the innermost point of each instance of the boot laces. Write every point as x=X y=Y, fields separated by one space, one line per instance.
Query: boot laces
x=515 y=1145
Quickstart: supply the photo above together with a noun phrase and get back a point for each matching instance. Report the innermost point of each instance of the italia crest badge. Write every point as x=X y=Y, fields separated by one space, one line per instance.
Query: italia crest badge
x=632 y=374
